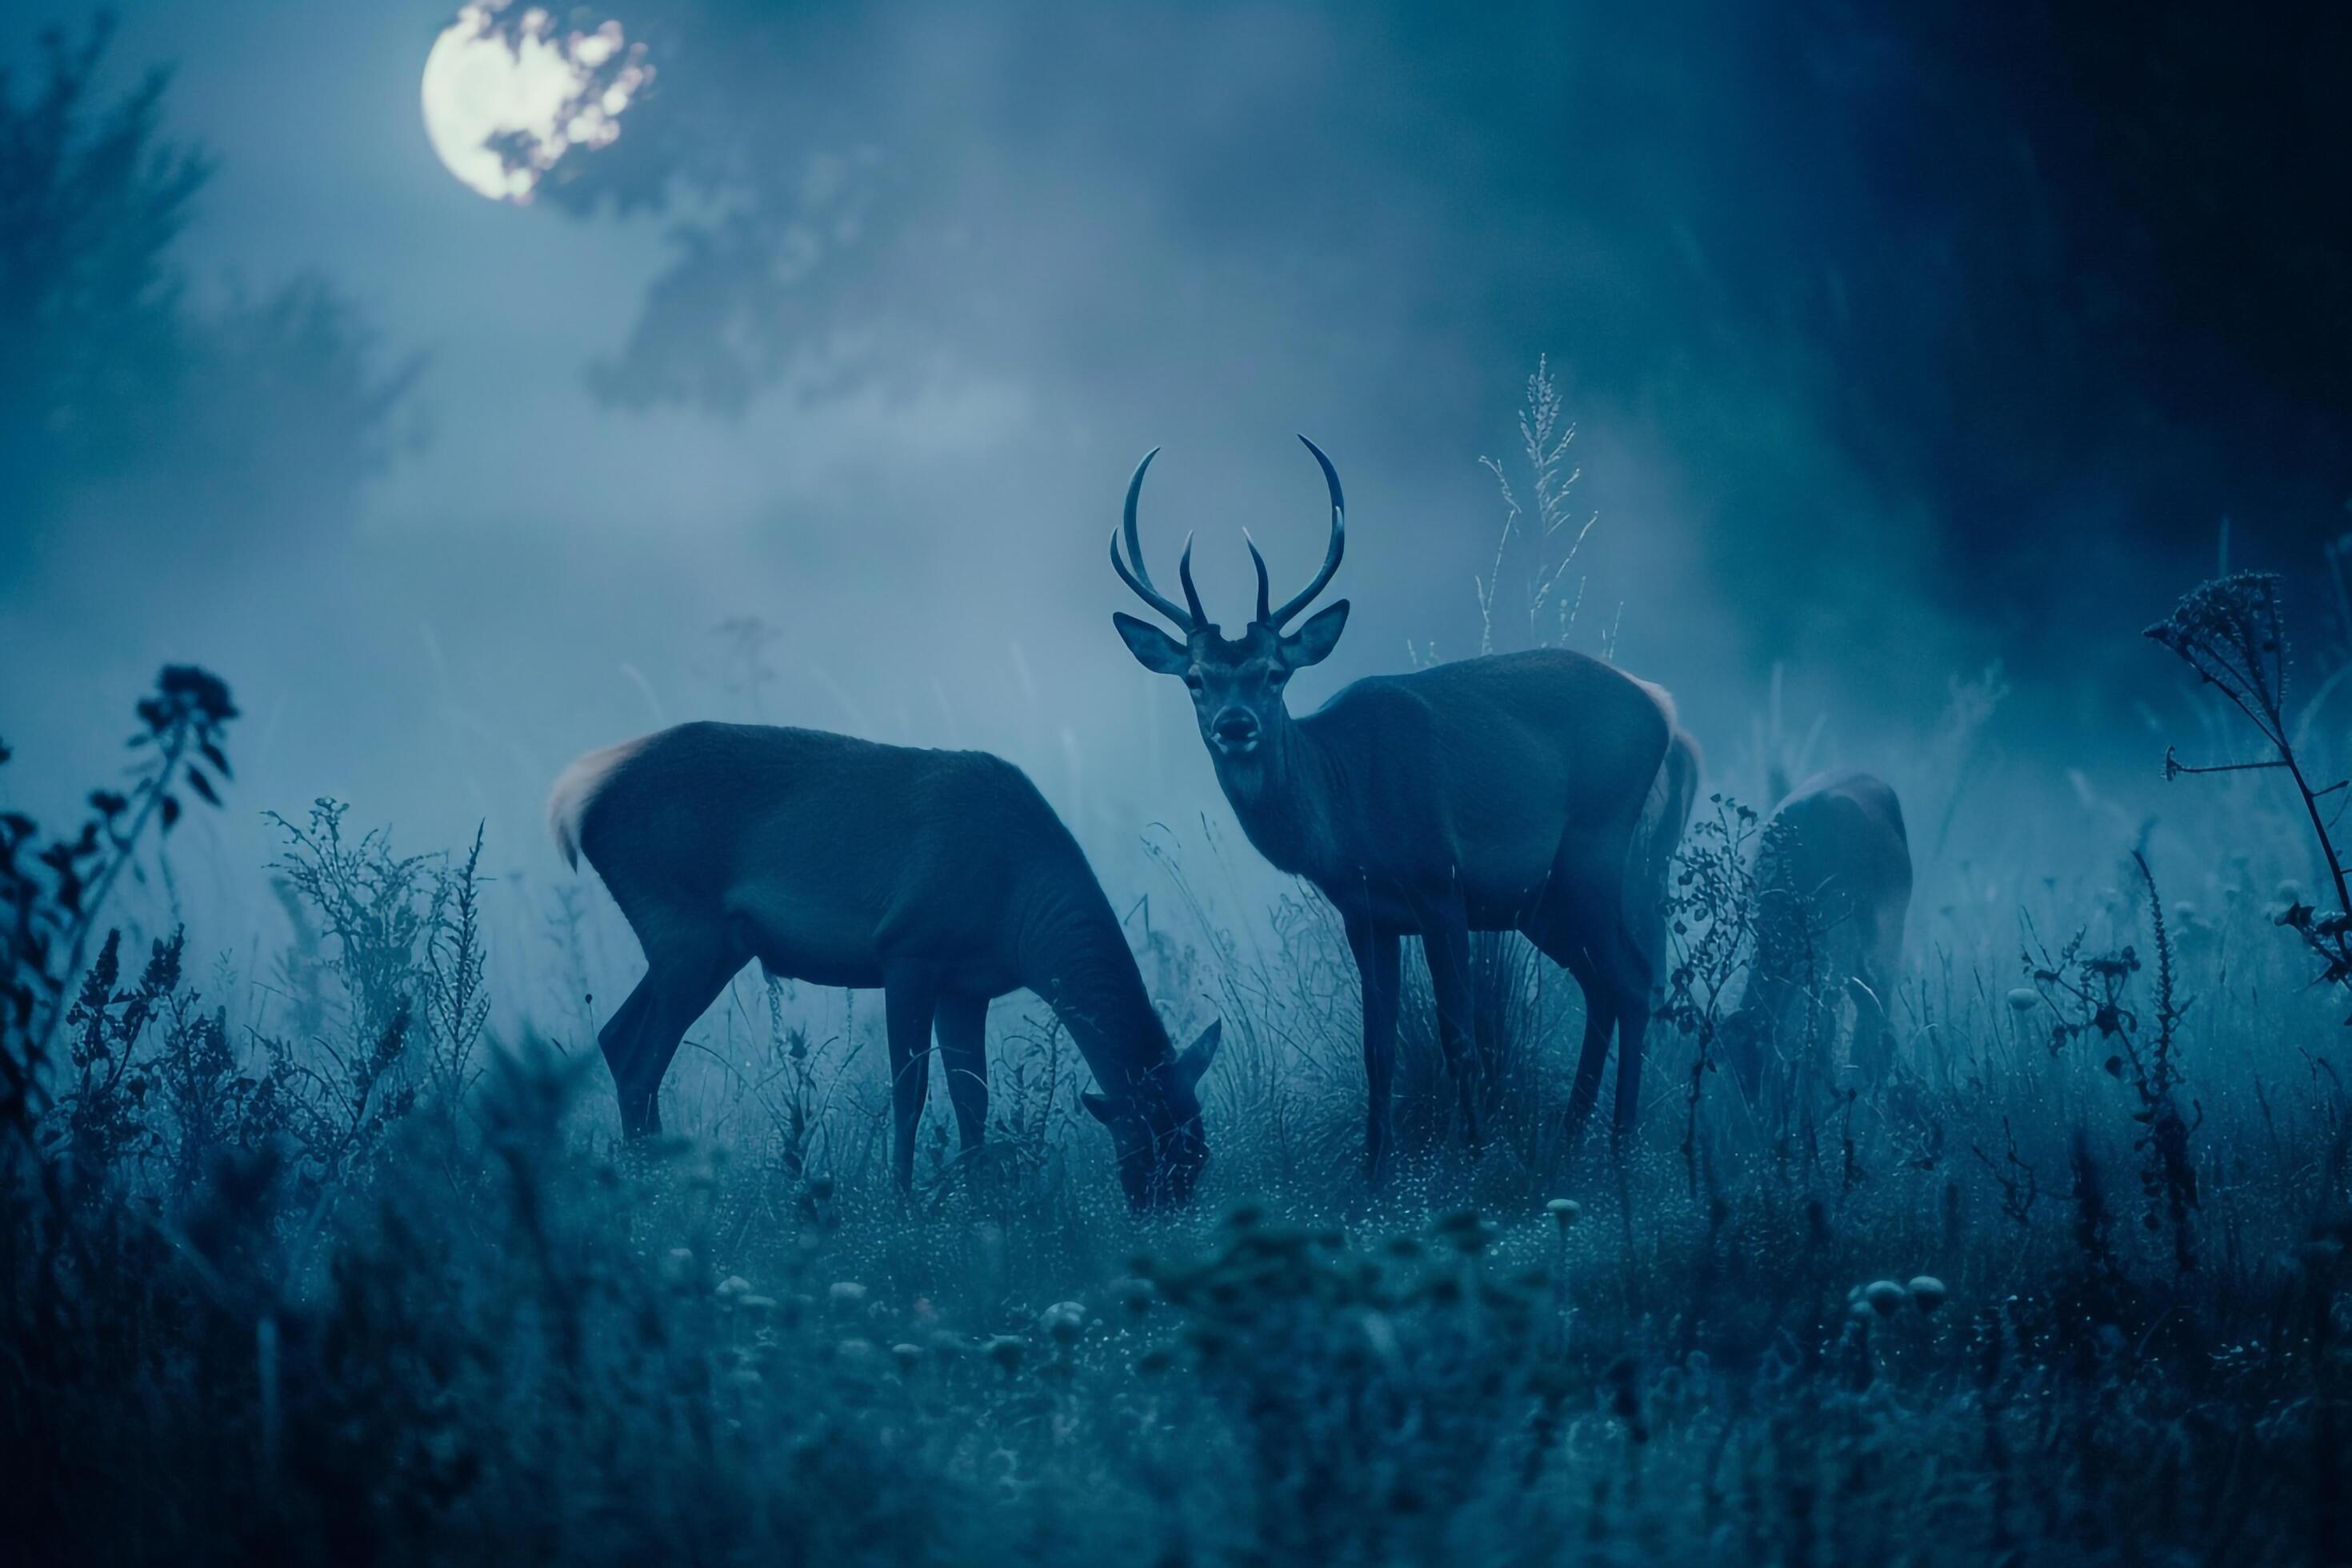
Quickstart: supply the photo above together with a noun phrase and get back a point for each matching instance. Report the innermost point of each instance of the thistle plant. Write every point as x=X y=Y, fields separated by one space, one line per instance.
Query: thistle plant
x=1711 y=909
x=2090 y=1001
x=2233 y=632
x=53 y=893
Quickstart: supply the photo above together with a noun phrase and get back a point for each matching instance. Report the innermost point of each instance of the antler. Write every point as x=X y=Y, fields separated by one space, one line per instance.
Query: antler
x=1193 y=618
x=1140 y=579
x=1330 y=556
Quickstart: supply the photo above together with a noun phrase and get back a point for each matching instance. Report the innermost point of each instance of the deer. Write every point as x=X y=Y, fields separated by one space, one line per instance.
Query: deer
x=1543 y=791
x=1833 y=879
x=943 y=878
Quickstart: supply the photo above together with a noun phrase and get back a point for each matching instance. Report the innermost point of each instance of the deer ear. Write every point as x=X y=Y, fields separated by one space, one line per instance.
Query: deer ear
x=1312 y=643
x=1153 y=648
x=1099 y=1106
x=1199 y=1055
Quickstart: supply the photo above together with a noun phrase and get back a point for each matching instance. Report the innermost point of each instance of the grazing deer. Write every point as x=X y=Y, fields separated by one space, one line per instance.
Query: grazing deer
x=1543 y=793
x=1832 y=886
x=942 y=877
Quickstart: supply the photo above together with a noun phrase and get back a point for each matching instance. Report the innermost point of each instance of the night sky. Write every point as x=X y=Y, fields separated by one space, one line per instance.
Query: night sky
x=1897 y=344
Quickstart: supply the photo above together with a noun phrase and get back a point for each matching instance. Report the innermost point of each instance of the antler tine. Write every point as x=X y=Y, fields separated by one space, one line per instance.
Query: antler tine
x=1192 y=595
x=1142 y=590
x=1139 y=578
x=1259 y=562
x=1330 y=556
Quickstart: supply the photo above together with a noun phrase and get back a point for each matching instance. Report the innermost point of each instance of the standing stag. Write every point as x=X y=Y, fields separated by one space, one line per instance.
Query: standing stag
x=942 y=877
x=1543 y=793
x=1832 y=886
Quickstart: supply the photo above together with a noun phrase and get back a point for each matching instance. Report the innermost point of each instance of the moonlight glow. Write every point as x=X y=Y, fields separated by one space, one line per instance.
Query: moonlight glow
x=502 y=102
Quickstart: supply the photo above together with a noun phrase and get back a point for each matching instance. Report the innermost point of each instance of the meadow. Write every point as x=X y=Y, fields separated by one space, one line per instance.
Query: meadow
x=310 y=1256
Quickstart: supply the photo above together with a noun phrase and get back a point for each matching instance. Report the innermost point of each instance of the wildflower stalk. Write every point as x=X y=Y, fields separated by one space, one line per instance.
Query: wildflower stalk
x=183 y=723
x=2232 y=633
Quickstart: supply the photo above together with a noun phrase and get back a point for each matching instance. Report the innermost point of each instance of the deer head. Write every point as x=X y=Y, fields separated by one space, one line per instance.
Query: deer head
x=1237 y=683
x=1155 y=1131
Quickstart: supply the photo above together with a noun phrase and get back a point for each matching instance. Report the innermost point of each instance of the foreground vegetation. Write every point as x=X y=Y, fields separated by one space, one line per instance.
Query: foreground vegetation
x=348 y=1278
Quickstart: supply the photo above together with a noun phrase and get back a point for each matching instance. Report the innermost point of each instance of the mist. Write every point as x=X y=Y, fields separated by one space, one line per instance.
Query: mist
x=1871 y=380
x=1041 y=242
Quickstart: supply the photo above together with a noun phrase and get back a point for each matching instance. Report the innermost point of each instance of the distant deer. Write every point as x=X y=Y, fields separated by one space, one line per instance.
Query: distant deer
x=1543 y=793
x=942 y=877
x=1832 y=888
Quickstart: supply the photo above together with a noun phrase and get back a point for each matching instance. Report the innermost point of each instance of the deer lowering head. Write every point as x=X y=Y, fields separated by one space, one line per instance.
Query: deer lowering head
x=1155 y=1133
x=941 y=878
x=1237 y=683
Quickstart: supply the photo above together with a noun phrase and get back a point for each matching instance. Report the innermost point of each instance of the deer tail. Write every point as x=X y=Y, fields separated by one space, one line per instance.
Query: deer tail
x=576 y=789
x=1658 y=833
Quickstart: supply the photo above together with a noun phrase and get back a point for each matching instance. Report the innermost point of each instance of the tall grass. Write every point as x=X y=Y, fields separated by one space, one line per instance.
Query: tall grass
x=310 y=1263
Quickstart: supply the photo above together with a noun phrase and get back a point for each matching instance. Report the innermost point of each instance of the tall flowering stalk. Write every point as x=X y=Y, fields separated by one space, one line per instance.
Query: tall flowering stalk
x=53 y=892
x=2232 y=633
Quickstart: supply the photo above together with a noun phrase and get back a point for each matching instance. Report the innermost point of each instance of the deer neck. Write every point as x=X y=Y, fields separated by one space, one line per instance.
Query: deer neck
x=1285 y=794
x=1071 y=952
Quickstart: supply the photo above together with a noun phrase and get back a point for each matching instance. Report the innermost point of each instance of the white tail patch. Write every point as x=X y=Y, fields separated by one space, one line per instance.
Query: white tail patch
x=577 y=787
x=1665 y=813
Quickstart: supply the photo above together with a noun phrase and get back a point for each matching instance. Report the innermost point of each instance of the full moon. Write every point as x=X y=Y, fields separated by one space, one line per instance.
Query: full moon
x=503 y=103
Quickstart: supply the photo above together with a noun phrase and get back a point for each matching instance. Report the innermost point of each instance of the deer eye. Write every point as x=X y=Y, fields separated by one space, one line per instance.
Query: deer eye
x=1279 y=676
x=1193 y=678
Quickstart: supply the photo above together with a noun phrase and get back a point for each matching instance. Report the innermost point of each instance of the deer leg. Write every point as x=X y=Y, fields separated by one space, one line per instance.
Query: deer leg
x=1876 y=977
x=962 y=1024
x=1600 y=1023
x=1554 y=942
x=1737 y=1047
x=1625 y=971
x=906 y=1008
x=618 y=1040
x=1874 y=1032
x=681 y=982
x=1751 y=1036
x=1378 y=963
x=1445 y=943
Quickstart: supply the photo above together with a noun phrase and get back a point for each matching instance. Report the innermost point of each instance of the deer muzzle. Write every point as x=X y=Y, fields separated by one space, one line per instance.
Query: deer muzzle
x=1235 y=731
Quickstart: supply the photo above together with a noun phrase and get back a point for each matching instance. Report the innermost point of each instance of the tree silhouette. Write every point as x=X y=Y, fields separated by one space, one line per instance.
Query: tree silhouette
x=91 y=199
x=221 y=428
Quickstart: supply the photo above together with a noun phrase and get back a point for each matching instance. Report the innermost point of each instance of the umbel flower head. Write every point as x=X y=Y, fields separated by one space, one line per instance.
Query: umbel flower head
x=186 y=692
x=2232 y=633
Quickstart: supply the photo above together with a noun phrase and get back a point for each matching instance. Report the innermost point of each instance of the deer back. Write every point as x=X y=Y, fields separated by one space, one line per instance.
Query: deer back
x=1838 y=841
x=1491 y=770
x=829 y=849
